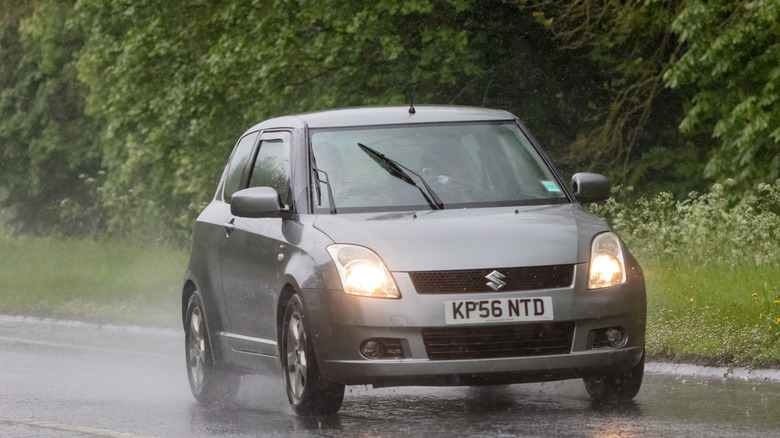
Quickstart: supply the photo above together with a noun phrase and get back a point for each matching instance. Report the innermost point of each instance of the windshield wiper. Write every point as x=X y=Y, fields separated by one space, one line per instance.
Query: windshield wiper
x=399 y=171
x=325 y=181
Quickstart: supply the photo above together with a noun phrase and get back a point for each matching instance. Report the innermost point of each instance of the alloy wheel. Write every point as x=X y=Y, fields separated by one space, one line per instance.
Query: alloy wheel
x=296 y=355
x=196 y=347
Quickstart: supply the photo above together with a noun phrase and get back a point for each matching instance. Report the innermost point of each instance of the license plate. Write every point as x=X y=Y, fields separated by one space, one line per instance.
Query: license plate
x=498 y=310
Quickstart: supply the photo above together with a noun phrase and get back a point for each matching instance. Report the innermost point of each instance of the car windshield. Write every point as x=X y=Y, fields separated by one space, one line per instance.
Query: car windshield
x=463 y=164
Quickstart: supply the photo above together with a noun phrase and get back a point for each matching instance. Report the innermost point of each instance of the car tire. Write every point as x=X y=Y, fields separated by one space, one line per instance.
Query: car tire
x=619 y=386
x=209 y=383
x=309 y=393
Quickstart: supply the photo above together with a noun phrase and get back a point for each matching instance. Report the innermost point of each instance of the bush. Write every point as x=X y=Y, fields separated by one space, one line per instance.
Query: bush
x=712 y=268
x=702 y=230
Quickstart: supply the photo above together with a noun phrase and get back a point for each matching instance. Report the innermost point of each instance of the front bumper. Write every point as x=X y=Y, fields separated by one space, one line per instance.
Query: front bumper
x=339 y=324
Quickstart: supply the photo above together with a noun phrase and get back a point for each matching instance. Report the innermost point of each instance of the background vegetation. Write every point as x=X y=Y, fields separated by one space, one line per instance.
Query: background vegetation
x=712 y=271
x=107 y=281
x=116 y=116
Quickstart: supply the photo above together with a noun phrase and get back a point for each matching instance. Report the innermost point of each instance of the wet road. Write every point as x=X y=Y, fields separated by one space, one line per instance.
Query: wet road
x=76 y=380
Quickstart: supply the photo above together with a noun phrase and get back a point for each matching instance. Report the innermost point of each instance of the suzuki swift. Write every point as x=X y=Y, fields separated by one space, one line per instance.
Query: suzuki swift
x=406 y=246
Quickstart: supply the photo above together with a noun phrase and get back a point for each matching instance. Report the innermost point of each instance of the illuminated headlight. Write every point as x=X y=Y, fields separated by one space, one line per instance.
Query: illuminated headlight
x=607 y=264
x=362 y=272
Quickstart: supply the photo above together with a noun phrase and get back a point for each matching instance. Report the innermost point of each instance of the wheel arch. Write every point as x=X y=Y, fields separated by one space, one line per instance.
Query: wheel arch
x=288 y=290
x=188 y=290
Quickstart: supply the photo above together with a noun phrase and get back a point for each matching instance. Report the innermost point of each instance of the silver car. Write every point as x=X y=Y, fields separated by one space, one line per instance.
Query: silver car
x=406 y=246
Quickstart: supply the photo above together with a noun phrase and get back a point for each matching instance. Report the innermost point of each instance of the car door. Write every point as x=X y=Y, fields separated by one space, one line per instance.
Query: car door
x=210 y=229
x=249 y=253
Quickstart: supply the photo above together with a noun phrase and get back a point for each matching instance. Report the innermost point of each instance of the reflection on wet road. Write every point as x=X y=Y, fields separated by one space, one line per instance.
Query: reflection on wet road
x=78 y=380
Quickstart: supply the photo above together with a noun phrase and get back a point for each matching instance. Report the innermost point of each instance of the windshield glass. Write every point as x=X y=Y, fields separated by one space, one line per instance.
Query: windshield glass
x=464 y=164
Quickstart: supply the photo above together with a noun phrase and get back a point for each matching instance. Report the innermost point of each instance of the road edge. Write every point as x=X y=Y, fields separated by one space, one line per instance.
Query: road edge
x=681 y=369
x=70 y=323
x=740 y=373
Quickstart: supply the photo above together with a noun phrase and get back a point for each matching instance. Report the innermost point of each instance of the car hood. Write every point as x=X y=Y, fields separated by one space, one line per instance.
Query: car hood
x=470 y=238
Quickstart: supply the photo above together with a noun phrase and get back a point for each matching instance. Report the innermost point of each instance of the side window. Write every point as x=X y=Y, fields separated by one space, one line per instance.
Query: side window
x=237 y=165
x=271 y=165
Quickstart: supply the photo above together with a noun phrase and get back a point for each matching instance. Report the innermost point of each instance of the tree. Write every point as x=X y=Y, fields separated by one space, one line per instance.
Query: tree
x=47 y=146
x=628 y=123
x=142 y=100
x=174 y=83
x=732 y=61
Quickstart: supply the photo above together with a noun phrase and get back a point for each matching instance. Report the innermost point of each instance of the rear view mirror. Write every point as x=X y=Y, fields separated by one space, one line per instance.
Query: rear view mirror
x=256 y=202
x=590 y=187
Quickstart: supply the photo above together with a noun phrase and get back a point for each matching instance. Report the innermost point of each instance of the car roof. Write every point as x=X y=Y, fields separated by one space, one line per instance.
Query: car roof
x=386 y=115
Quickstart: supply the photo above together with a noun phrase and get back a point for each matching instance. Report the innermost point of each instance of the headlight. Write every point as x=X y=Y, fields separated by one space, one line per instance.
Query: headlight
x=607 y=264
x=362 y=272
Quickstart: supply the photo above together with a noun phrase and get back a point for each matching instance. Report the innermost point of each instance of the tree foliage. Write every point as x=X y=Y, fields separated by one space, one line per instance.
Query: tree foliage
x=47 y=145
x=732 y=62
x=118 y=115
x=628 y=130
x=173 y=84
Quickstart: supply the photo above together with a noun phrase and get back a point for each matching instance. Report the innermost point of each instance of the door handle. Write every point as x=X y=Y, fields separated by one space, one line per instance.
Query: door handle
x=229 y=227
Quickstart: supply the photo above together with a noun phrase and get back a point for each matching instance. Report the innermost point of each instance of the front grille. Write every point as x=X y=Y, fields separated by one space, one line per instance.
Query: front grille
x=470 y=281
x=518 y=340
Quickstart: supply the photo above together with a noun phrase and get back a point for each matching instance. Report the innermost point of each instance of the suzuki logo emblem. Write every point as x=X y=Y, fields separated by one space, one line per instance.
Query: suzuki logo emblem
x=496 y=280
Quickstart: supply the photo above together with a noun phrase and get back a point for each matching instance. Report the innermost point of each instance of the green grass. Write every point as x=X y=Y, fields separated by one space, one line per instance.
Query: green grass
x=111 y=281
x=704 y=313
x=714 y=314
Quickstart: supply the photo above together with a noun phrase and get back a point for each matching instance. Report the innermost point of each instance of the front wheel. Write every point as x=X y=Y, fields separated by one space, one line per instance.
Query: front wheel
x=620 y=386
x=209 y=384
x=309 y=393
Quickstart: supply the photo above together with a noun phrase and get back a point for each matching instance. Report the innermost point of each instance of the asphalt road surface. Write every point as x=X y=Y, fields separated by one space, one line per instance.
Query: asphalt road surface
x=75 y=380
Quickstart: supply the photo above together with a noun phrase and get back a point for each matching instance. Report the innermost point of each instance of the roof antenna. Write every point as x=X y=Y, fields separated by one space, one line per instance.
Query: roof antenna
x=411 y=104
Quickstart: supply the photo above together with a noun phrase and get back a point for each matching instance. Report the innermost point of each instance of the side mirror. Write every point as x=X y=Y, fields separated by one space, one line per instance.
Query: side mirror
x=256 y=202
x=590 y=187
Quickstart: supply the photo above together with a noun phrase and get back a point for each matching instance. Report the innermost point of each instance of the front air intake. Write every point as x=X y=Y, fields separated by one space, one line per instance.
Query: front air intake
x=518 y=340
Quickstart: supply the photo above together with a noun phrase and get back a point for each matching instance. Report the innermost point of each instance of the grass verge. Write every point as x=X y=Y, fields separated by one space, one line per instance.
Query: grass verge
x=111 y=281
x=712 y=266
x=714 y=314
